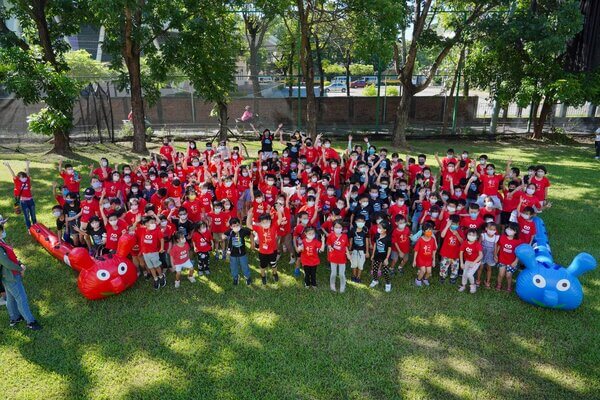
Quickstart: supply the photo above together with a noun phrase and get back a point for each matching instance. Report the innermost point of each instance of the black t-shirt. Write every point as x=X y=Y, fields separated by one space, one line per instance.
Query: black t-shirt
x=381 y=246
x=186 y=227
x=294 y=150
x=236 y=241
x=473 y=190
x=359 y=239
x=266 y=142
x=365 y=212
x=70 y=210
x=60 y=224
x=96 y=235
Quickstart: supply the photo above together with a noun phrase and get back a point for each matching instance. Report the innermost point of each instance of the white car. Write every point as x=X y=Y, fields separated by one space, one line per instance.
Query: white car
x=336 y=87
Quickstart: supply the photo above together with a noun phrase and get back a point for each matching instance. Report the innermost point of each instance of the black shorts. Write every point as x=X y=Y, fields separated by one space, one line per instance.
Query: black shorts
x=267 y=260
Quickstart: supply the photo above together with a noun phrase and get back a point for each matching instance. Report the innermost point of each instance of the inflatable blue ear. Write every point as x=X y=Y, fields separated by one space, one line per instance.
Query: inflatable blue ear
x=547 y=284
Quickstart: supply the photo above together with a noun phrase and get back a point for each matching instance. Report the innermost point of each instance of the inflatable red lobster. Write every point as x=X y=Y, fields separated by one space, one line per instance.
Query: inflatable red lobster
x=99 y=277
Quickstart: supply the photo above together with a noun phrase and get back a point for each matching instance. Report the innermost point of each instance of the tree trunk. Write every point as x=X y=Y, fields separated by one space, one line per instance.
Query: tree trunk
x=401 y=121
x=446 y=108
x=62 y=144
x=320 y=67
x=348 y=73
x=306 y=61
x=254 y=67
x=291 y=75
x=223 y=131
x=494 y=121
x=538 y=126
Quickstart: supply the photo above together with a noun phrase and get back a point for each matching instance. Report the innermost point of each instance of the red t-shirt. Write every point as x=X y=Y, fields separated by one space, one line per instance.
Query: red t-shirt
x=395 y=209
x=218 y=221
x=402 y=239
x=286 y=227
x=506 y=250
x=540 y=187
x=510 y=204
x=309 y=256
x=339 y=246
x=202 y=241
x=89 y=209
x=526 y=229
x=70 y=182
x=424 y=250
x=450 y=246
x=194 y=209
x=166 y=150
x=491 y=184
x=180 y=254
x=102 y=175
x=112 y=188
x=467 y=223
x=528 y=200
x=149 y=239
x=25 y=193
x=267 y=238
x=270 y=192
x=471 y=250
x=113 y=233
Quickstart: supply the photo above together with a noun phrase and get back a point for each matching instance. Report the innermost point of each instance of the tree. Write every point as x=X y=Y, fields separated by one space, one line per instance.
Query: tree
x=531 y=69
x=33 y=67
x=205 y=49
x=464 y=22
x=133 y=28
x=306 y=10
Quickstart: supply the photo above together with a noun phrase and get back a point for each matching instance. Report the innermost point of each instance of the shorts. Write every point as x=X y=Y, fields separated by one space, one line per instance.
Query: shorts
x=509 y=268
x=394 y=255
x=152 y=260
x=357 y=259
x=217 y=236
x=267 y=260
x=187 y=265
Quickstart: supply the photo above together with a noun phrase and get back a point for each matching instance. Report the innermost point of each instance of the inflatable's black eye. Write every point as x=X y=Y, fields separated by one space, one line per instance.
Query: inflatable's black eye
x=539 y=281
x=122 y=268
x=563 y=285
x=103 y=274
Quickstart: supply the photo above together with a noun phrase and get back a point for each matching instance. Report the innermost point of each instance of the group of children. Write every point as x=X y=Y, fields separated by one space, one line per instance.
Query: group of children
x=189 y=208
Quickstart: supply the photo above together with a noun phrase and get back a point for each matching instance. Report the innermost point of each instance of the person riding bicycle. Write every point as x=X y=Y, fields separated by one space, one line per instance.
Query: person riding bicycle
x=247 y=117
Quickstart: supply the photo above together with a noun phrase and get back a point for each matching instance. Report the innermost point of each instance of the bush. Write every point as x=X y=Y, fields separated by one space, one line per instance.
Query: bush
x=370 y=90
x=392 y=91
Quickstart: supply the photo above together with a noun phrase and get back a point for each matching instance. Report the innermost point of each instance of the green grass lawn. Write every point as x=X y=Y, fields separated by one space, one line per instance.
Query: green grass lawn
x=215 y=341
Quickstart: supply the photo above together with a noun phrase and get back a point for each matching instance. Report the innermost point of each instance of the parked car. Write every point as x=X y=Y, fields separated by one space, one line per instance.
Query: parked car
x=339 y=79
x=336 y=87
x=370 y=80
x=360 y=83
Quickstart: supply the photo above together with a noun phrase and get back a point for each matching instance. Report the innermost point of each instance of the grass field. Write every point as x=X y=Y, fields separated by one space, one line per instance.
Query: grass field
x=211 y=340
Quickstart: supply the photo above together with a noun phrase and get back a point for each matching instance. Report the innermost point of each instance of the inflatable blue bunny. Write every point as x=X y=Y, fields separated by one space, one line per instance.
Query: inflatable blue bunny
x=545 y=283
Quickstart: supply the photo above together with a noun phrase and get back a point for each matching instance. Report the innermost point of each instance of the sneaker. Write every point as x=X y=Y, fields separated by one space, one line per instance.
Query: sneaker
x=156 y=284
x=224 y=256
x=333 y=289
x=200 y=273
x=276 y=277
x=442 y=280
x=452 y=281
x=192 y=279
x=163 y=280
x=426 y=282
x=2 y=302
x=358 y=280
x=248 y=281
x=207 y=272
x=374 y=283
x=264 y=279
x=388 y=287
x=236 y=281
x=292 y=260
x=473 y=288
x=147 y=276
x=297 y=272
x=14 y=322
x=418 y=282
x=462 y=288
x=34 y=326
x=177 y=284
x=400 y=270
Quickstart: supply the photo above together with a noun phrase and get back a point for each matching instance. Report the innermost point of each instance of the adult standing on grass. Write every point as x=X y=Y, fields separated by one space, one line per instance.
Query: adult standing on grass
x=12 y=279
x=23 y=196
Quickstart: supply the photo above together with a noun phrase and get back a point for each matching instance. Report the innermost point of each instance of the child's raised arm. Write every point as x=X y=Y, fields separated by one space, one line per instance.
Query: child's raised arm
x=10 y=169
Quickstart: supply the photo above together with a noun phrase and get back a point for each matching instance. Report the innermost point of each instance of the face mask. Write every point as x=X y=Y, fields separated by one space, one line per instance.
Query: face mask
x=327 y=145
x=310 y=237
x=236 y=229
x=264 y=168
x=115 y=177
x=127 y=171
x=338 y=231
x=490 y=172
x=152 y=227
x=510 y=232
x=373 y=195
x=183 y=217
x=23 y=180
x=360 y=224
x=152 y=177
x=364 y=204
x=353 y=195
x=148 y=187
x=203 y=191
x=426 y=174
x=525 y=217
x=428 y=233
x=444 y=197
x=489 y=204
x=311 y=203
x=530 y=191
x=379 y=220
x=88 y=197
x=286 y=182
x=3 y=235
x=192 y=146
x=473 y=215
x=451 y=209
x=384 y=186
x=259 y=200
x=265 y=225
x=106 y=205
x=202 y=230
x=401 y=226
x=57 y=214
x=453 y=227
x=228 y=184
x=134 y=207
x=435 y=215
x=196 y=164
x=270 y=183
x=304 y=221
x=218 y=209
x=400 y=202
x=330 y=192
x=472 y=237
x=70 y=200
x=127 y=179
x=465 y=156
x=402 y=187
x=458 y=193
x=103 y=163
x=491 y=232
x=244 y=173
x=450 y=169
x=482 y=161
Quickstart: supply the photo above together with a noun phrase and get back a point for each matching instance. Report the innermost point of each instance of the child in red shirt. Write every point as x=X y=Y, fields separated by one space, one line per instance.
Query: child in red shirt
x=471 y=254
x=424 y=258
x=400 y=243
x=266 y=230
x=152 y=243
x=527 y=229
x=180 y=258
x=450 y=249
x=202 y=241
x=505 y=255
x=337 y=253
x=309 y=249
x=218 y=226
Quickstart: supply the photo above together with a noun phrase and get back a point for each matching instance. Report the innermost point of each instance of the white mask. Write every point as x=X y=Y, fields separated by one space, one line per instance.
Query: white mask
x=471 y=237
x=530 y=191
x=338 y=231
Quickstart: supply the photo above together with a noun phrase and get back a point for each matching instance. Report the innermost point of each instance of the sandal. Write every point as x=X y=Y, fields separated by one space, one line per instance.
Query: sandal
x=498 y=288
x=509 y=290
x=478 y=282
x=487 y=285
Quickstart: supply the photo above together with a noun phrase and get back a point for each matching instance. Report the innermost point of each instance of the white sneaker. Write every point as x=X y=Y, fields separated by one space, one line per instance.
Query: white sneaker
x=2 y=302
x=388 y=287
x=473 y=288
x=333 y=289
x=292 y=260
x=177 y=284
x=191 y=279
x=373 y=284
x=462 y=288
